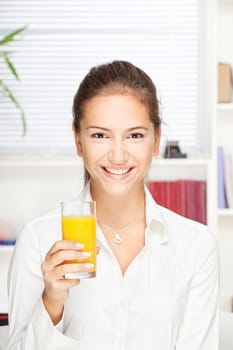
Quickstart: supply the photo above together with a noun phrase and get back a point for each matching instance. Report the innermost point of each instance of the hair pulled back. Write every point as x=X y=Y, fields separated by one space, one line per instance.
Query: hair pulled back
x=117 y=77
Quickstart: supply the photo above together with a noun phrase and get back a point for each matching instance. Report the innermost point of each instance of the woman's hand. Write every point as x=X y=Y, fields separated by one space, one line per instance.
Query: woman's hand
x=56 y=288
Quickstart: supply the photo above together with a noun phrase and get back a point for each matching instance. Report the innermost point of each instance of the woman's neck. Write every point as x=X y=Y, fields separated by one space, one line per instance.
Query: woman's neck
x=118 y=211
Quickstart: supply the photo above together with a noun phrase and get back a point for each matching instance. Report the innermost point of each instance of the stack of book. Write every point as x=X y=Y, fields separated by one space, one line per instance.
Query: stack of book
x=7 y=233
x=225 y=179
x=7 y=241
x=185 y=197
x=3 y=319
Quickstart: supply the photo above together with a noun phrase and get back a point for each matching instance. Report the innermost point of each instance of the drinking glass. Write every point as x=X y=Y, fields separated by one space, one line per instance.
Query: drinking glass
x=79 y=225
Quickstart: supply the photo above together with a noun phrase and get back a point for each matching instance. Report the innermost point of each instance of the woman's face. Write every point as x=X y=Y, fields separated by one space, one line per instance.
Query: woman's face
x=117 y=141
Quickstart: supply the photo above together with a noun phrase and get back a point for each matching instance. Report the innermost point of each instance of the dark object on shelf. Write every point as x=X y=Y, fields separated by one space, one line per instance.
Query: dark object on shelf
x=172 y=150
x=3 y=319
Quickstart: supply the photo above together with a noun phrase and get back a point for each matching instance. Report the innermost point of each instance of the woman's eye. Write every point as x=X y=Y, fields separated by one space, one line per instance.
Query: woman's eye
x=98 y=135
x=136 y=135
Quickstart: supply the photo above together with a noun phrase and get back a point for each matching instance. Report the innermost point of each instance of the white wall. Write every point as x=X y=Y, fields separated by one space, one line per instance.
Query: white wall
x=29 y=190
x=32 y=188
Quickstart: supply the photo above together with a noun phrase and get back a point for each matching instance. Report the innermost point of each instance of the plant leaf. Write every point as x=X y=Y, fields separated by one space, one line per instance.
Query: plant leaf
x=8 y=93
x=11 y=36
x=10 y=65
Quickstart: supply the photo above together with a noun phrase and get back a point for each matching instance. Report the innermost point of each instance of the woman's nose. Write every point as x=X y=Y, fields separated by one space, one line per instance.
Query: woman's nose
x=118 y=153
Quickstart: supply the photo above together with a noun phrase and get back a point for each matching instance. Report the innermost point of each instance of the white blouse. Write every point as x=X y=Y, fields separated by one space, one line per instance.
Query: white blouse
x=167 y=299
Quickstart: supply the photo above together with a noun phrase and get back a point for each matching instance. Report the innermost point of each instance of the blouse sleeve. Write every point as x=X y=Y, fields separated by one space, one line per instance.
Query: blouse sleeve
x=30 y=326
x=200 y=327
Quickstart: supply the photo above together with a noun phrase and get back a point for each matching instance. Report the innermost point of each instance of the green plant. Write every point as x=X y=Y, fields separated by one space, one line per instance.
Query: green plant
x=4 y=89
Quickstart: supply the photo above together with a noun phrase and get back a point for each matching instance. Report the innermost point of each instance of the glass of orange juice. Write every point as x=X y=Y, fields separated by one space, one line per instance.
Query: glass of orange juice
x=79 y=225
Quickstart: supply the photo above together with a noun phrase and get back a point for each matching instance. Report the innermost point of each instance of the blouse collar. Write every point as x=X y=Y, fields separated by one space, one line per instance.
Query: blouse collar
x=154 y=217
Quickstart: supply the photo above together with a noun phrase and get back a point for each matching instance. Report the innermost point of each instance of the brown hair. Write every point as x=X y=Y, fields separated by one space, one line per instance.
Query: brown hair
x=116 y=77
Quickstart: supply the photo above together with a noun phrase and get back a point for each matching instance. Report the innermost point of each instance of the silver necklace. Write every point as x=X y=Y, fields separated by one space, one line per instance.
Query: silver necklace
x=117 y=237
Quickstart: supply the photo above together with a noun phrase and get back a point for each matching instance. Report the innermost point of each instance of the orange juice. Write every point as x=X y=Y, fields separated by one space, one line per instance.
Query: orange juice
x=81 y=229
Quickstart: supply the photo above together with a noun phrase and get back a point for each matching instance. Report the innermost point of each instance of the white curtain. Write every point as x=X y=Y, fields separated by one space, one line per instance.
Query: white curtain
x=64 y=38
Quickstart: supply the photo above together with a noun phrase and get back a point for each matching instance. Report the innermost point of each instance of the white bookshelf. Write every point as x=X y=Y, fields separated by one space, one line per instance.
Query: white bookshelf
x=224 y=128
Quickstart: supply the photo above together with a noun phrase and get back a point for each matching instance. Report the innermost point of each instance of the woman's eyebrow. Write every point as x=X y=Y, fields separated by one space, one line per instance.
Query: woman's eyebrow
x=106 y=129
x=98 y=127
x=138 y=127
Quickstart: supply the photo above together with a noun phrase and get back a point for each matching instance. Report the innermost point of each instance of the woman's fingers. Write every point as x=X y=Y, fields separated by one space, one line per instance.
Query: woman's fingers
x=64 y=245
x=56 y=263
x=56 y=278
x=62 y=270
x=64 y=255
x=64 y=251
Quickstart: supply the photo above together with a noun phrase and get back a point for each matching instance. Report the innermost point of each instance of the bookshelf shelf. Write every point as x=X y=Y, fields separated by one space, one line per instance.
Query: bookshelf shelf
x=225 y=212
x=6 y=249
x=40 y=161
x=225 y=107
x=75 y=161
x=181 y=162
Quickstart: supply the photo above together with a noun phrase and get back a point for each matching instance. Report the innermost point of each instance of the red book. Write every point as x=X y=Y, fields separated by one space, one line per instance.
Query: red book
x=167 y=195
x=185 y=197
x=162 y=190
x=190 y=197
x=180 y=202
x=200 y=190
x=172 y=197
x=150 y=186
x=158 y=191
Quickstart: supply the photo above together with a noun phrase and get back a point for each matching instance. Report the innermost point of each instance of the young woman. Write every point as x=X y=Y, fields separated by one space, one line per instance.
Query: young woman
x=157 y=272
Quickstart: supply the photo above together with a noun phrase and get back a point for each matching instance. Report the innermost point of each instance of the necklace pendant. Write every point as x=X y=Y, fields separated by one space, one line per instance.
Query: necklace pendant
x=117 y=238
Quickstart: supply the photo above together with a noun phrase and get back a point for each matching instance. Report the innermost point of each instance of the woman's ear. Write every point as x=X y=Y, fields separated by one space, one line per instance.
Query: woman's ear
x=77 y=141
x=157 y=141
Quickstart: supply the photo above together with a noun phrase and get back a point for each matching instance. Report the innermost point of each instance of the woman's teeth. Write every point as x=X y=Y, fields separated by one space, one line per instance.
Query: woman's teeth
x=117 y=171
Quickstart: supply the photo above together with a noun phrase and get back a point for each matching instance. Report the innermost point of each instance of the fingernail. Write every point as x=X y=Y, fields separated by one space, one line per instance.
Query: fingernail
x=89 y=266
x=79 y=245
x=86 y=254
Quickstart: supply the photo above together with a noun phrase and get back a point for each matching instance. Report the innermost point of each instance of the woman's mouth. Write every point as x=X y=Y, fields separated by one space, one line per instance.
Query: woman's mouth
x=117 y=171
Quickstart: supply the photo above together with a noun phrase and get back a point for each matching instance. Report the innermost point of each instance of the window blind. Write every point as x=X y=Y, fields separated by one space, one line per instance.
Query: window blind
x=64 y=39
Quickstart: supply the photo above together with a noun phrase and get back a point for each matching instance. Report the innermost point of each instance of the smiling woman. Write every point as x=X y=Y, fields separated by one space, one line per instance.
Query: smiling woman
x=122 y=101
x=155 y=269
x=116 y=139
